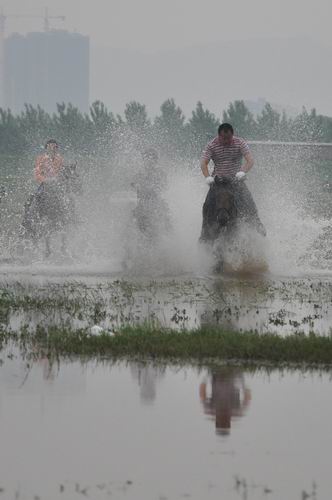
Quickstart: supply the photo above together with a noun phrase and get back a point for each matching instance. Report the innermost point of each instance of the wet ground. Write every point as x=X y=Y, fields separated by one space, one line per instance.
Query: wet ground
x=142 y=431
x=139 y=431
x=263 y=303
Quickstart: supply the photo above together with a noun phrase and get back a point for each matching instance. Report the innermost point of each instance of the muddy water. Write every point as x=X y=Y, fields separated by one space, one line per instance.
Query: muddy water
x=261 y=303
x=138 y=431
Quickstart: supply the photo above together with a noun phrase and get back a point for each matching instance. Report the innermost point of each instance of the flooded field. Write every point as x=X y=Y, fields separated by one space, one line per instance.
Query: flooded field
x=257 y=303
x=142 y=431
x=97 y=429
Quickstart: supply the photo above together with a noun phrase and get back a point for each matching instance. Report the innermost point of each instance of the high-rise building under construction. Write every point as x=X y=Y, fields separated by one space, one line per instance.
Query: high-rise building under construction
x=45 y=69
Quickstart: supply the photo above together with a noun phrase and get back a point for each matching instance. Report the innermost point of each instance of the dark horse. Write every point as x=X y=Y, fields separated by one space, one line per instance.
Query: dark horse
x=227 y=205
x=51 y=209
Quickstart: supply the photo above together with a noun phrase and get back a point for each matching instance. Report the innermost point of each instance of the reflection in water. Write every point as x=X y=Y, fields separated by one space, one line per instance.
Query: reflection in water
x=41 y=377
x=228 y=399
x=147 y=376
x=50 y=369
x=264 y=305
x=280 y=306
x=76 y=430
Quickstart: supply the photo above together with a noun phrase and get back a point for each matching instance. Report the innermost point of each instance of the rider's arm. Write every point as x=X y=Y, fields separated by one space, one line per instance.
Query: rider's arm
x=38 y=169
x=205 y=167
x=248 y=163
x=206 y=157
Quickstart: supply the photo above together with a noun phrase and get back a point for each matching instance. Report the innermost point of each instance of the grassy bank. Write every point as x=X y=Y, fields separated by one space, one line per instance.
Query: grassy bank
x=199 y=345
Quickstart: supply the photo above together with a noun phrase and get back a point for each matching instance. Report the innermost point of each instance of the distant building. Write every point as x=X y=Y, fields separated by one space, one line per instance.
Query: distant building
x=45 y=69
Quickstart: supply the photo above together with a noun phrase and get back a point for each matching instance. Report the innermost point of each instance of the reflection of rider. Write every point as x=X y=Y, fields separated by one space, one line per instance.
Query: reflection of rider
x=147 y=376
x=229 y=398
x=226 y=151
x=49 y=164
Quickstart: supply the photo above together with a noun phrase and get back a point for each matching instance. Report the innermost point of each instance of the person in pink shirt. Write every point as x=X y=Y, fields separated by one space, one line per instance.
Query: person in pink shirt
x=49 y=164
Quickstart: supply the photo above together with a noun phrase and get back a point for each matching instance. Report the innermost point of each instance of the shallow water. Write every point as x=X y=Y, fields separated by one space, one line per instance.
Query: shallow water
x=141 y=431
x=110 y=278
x=135 y=431
x=260 y=303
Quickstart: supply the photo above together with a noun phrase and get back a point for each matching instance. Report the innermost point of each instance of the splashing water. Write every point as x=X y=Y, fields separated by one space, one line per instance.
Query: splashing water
x=281 y=187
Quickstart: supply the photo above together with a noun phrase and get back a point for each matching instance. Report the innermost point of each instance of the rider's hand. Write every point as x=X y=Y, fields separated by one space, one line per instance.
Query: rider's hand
x=240 y=176
x=209 y=180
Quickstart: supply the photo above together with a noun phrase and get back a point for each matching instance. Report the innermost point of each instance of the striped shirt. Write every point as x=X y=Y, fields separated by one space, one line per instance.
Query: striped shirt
x=227 y=159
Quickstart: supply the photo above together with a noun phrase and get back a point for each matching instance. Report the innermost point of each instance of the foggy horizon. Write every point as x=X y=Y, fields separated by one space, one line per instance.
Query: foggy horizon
x=132 y=45
x=163 y=25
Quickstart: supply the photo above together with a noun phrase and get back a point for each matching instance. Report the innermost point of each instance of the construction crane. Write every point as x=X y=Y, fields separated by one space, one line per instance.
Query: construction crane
x=46 y=18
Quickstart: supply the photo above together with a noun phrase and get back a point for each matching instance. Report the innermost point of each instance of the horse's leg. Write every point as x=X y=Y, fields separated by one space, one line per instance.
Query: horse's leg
x=218 y=254
x=219 y=266
x=47 y=246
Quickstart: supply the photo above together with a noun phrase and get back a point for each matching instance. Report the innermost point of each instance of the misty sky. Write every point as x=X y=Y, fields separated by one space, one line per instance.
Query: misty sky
x=151 y=26
x=156 y=24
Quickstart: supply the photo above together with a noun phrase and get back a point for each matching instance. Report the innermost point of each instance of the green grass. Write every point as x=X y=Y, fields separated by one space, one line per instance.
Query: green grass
x=202 y=345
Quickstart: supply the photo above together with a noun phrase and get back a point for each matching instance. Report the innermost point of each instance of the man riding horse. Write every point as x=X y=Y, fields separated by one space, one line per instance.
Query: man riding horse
x=51 y=208
x=228 y=199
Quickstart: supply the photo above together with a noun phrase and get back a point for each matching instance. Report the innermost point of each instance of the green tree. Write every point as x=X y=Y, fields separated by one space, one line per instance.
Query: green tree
x=73 y=129
x=202 y=127
x=285 y=127
x=326 y=128
x=102 y=119
x=36 y=125
x=12 y=141
x=308 y=127
x=239 y=116
x=170 y=130
x=137 y=117
x=104 y=126
x=268 y=123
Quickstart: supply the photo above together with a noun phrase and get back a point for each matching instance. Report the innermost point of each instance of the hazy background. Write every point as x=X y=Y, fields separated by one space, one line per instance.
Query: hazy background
x=214 y=51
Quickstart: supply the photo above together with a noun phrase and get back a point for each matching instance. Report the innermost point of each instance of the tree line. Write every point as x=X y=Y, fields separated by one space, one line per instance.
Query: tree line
x=100 y=131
